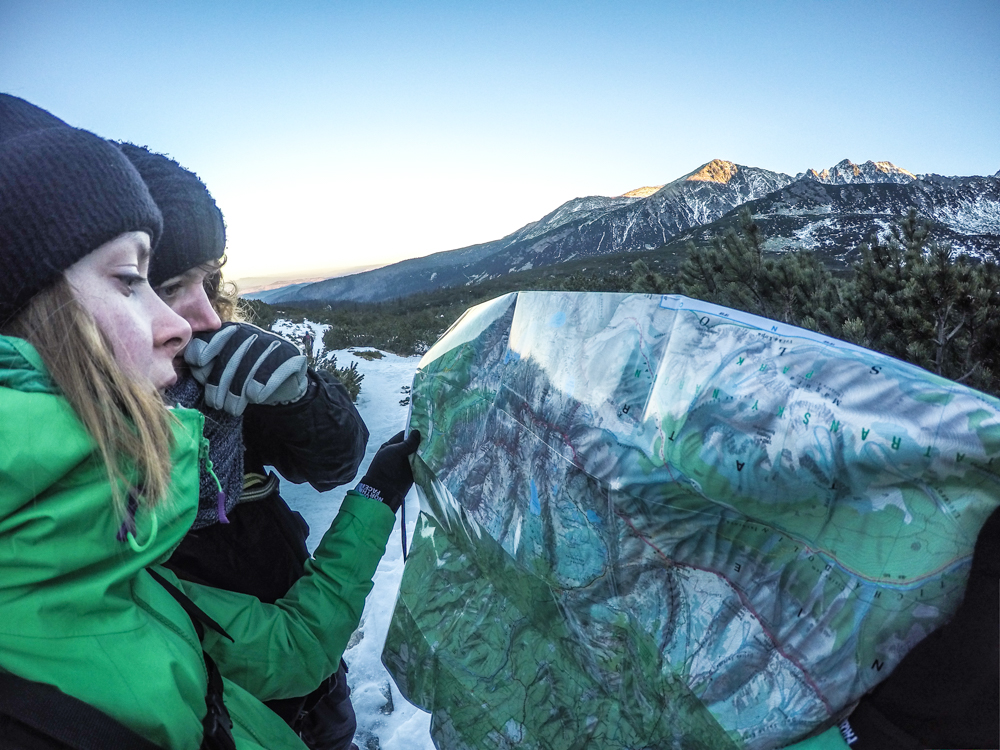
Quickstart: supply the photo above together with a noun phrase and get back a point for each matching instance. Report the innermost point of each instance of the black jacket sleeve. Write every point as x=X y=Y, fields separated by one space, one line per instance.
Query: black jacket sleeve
x=319 y=439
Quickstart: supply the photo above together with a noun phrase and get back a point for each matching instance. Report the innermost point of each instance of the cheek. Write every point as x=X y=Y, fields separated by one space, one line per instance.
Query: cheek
x=130 y=335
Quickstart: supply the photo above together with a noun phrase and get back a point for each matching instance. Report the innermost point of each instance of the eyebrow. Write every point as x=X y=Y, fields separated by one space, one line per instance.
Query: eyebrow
x=144 y=253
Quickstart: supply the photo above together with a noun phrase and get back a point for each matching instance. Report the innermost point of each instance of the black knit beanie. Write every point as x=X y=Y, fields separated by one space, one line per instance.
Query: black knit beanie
x=63 y=193
x=18 y=117
x=194 y=231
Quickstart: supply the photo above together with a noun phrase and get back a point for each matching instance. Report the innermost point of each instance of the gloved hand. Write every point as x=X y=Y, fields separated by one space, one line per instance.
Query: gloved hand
x=242 y=364
x=389 y=476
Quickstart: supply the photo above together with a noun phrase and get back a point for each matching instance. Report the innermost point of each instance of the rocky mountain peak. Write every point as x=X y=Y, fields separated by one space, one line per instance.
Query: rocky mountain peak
x=716 y=170
x=889 y=168
x=643 y=192
x=847 y=172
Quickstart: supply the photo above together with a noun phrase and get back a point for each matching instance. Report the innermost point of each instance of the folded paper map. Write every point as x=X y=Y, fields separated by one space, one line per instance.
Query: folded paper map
x=651 y=522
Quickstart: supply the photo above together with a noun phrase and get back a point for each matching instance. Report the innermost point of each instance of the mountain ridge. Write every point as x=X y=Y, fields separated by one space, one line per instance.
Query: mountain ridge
x=847 y=172
x=813 y=209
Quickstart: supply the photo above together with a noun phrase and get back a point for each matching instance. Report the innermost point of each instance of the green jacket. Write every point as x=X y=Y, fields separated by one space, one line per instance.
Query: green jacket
x=81 y=612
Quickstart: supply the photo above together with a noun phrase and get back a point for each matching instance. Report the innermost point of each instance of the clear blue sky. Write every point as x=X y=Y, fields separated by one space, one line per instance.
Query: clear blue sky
x=337 y=134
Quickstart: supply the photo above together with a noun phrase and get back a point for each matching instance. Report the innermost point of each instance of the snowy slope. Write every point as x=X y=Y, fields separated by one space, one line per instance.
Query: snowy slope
x=403 y=727
x=835 y=217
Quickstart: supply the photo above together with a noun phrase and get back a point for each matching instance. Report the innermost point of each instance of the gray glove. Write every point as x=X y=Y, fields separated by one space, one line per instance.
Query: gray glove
x=242 y=364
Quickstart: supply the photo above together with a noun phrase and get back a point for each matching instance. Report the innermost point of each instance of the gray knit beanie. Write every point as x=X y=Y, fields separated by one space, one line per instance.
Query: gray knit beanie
x=64 y=192
x=194 y=231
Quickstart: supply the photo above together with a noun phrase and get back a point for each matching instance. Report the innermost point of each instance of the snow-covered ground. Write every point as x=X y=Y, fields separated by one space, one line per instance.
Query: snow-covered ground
x=385 y=720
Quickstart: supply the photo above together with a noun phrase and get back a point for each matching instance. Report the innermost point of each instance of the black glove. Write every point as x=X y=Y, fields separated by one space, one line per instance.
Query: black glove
x=389 y=476
x=242 y=364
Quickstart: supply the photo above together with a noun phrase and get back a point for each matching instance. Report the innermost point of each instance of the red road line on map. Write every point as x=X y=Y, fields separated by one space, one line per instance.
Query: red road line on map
x=743 y=600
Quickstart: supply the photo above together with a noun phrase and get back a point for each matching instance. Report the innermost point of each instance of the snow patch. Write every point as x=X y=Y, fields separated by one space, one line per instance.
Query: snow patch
x=383 y=714
x=295 y=331
x=806 y=236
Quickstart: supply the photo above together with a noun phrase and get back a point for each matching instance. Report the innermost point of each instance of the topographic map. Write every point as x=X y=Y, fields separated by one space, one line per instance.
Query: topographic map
x=651 y=522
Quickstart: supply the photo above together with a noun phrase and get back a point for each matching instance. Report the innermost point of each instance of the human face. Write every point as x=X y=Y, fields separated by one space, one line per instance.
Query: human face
x=186 y=296
x=145 y=334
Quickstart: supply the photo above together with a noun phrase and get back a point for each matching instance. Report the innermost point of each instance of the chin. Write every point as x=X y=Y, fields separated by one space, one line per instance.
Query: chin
x=165 y=381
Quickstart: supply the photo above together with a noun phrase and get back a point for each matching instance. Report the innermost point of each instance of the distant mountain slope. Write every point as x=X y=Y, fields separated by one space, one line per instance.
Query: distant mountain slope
x=830 y=209
x=579 y=228
x=445 y=268
x=834 y=218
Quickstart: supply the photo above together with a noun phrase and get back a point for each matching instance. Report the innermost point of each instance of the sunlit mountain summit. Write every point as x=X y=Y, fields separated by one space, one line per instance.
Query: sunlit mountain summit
x=847 y=173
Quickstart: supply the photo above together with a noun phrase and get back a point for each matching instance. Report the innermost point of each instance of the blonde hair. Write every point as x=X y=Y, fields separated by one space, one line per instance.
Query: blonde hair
x=122 y=413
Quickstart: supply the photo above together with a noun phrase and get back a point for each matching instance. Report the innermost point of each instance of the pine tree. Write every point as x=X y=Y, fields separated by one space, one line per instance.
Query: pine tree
x=872 y=301
x=793 y=287
x=644 y=280
x=731 y=272
x=254 y=311
x=349 y=376
x=914 y=298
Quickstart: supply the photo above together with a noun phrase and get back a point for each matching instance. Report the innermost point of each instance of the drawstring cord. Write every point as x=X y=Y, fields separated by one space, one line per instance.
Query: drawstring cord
x=128 y=525
x=220 y=498
x=154 y=527
x=128 y=530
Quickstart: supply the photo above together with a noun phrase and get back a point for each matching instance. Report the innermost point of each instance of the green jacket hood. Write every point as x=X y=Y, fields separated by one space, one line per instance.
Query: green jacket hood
x=21 y=367
x=54 y=495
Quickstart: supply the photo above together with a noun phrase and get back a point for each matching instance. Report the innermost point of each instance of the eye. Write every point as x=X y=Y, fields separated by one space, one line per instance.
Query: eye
x=169 y=291
x=130 y=281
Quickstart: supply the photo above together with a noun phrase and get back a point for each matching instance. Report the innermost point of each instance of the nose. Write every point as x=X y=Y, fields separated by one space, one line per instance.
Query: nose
x=170 y=331
x=201 y=315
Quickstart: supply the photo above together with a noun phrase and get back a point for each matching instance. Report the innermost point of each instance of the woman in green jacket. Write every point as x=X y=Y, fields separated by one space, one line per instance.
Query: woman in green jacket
x=99 y=482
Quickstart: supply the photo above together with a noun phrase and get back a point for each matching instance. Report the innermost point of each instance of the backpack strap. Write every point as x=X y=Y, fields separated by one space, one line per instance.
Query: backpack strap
x=196 y=613
x=217 y=722
x=43 y=716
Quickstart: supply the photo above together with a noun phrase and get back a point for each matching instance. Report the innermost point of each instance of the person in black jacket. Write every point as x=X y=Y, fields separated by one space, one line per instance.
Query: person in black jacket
x=263 y=406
